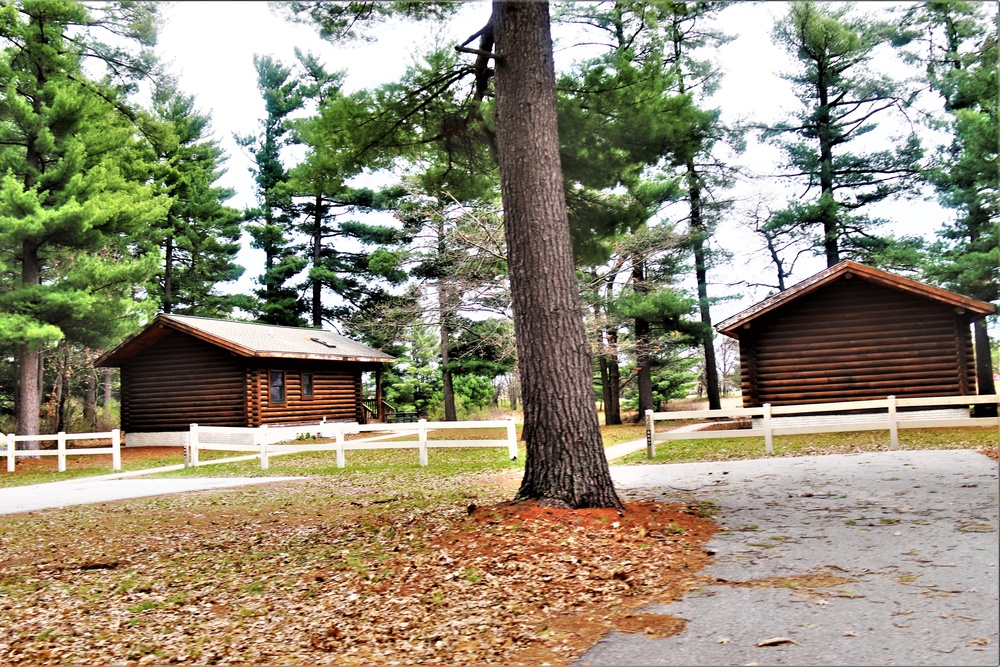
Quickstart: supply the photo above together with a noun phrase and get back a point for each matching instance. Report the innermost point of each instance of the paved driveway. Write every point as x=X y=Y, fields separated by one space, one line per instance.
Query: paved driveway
x=99 y=490
x=911 y=538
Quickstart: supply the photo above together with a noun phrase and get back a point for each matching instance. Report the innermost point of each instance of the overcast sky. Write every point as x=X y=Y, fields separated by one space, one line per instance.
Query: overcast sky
x=210 y=46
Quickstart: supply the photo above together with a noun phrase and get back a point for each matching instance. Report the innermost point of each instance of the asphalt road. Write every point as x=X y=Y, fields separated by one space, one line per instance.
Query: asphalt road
x=911 y=538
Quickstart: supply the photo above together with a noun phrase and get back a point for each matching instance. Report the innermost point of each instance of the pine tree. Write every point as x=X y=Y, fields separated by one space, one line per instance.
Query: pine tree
x=961 y=57
x=843 y=100
x=72 y=190
x=279 y=302
x=199 y=239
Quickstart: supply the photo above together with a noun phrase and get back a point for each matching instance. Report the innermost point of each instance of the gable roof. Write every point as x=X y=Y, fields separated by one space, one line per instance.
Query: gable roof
x=845 y=269
x=246 y=339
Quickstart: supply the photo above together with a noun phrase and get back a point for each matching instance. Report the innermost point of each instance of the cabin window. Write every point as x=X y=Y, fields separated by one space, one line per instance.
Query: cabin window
x=307 y=385
x=277 y=383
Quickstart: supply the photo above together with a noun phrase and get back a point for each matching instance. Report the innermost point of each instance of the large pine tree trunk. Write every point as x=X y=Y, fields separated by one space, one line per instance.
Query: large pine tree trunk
x=29 y=395
x=565 y=464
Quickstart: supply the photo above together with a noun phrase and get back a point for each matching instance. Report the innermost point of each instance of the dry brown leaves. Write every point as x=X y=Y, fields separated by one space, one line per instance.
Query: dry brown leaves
x=309 y=574
x=992 y=452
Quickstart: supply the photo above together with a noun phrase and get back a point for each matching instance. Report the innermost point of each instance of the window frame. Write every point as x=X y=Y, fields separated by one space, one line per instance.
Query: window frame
x=271 y=373
x=311 y=384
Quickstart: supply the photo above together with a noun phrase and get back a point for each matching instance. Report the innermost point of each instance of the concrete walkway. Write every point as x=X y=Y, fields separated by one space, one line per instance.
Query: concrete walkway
x=625 y=448
x=17 y=499
x=905 y=543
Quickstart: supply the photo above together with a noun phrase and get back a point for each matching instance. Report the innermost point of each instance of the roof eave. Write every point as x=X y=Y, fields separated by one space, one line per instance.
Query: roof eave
x=268 y=354
x=730 y=326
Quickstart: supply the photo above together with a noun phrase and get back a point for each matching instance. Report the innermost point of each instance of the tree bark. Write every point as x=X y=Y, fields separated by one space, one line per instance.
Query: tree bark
x=984 y=369
x=644 y=374
x=825 y=131
x=29 y=398
x=448 y=389
x=698 y=235
x=168 y=276
x=565 y=464
x=90 y=391
x=317 y=256
x=445 y=312
x=107 y=388
x=614 y=413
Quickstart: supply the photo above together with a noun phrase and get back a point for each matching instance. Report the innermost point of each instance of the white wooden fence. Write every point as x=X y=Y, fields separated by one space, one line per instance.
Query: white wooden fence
x=264 y=442
x=890 y=421
x=61 y=438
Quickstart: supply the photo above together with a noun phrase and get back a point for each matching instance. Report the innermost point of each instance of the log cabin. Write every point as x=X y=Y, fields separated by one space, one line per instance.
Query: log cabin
x=853 y=333
x=179 y=370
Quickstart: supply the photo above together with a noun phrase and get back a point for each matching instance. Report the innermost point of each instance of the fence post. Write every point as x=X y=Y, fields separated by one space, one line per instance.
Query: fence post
x=61 y=448
x=650 y=445
x=265 y=463
x=893 y=423
x=768 y=433
x=193 y=445
x=511 y=439
x=11 y=448
x=116 y=449
x=340 y=445
x=422 y=436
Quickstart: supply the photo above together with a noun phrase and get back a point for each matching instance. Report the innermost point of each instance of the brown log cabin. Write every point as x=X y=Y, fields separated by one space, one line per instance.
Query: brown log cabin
x=853 y=333
x=180 y=370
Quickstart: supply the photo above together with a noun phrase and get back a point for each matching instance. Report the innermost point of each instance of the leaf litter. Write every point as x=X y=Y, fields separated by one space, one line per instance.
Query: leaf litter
x=356 y=570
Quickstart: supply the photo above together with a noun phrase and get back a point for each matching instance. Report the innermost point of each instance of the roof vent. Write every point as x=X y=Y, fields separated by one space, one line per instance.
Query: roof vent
x=323 y=342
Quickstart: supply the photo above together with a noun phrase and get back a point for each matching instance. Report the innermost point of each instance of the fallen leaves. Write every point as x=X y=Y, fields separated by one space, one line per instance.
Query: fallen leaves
x=777 y=641
x=291 y=573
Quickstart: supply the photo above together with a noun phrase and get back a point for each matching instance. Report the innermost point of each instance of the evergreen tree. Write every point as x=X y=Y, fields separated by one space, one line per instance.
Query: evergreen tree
x=279 y=302
x=684 y=24
x=199 y=238
x=843 y=101
x=72 y=186
x=959 y=48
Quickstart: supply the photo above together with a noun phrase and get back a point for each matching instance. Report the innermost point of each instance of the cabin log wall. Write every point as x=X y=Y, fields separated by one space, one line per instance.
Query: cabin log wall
x=336 y=392
x=182 y=381
x=854 y=340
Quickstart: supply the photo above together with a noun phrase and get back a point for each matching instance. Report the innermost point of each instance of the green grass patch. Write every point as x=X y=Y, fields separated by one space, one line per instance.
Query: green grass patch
x=727 y=449
x=76 y=467
x=399 y=462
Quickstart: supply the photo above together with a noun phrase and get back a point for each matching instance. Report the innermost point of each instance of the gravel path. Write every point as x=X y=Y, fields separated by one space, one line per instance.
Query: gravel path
x=903 y=545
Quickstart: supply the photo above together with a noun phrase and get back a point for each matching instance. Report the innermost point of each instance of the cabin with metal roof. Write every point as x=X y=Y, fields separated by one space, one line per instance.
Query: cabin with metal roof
x=853 y=333
x=179 y=370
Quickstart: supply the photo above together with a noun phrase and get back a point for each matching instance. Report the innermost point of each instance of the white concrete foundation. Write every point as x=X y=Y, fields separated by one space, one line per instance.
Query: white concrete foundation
x=159 y=439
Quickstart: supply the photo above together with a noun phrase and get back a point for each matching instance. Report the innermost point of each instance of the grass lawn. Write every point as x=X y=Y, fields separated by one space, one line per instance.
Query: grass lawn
x=724 y=449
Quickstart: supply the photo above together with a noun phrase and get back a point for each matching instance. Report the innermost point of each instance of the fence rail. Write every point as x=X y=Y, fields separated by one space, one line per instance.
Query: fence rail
x=264 y=442
x=890 y=421
x=61 y=438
